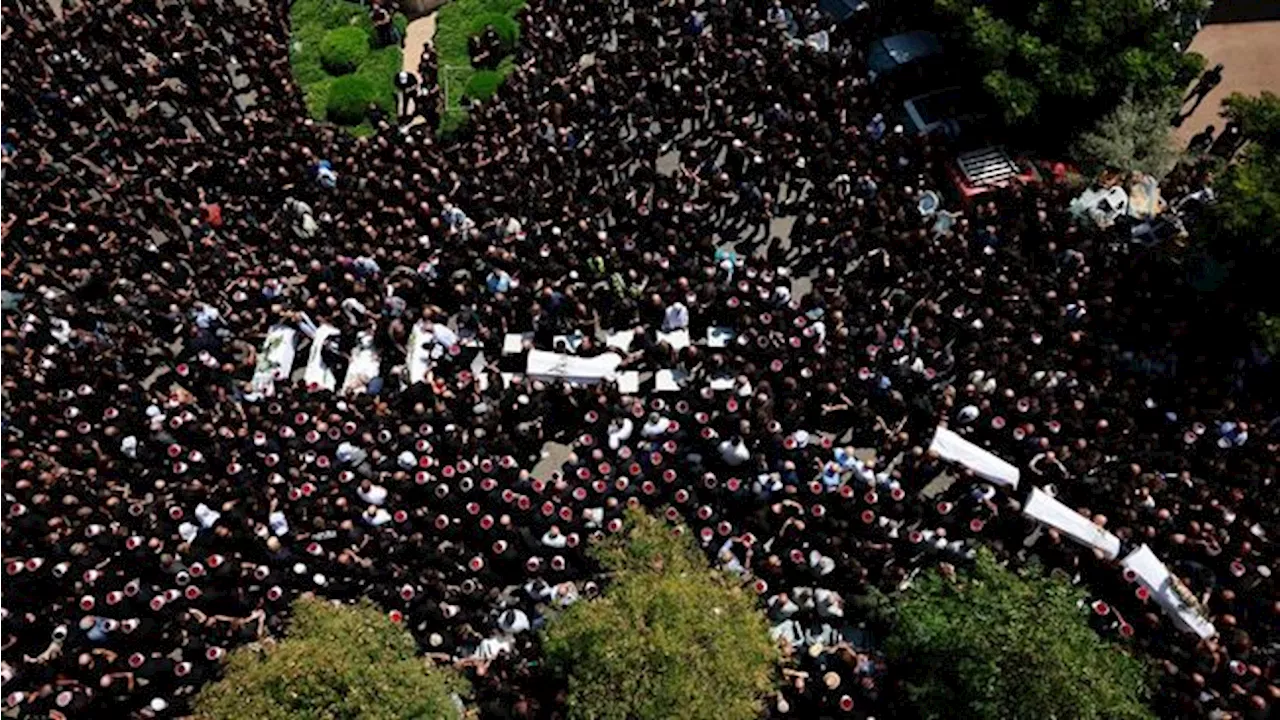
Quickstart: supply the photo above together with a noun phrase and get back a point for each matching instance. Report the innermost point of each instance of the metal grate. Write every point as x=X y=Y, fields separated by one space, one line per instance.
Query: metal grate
x=988 y=166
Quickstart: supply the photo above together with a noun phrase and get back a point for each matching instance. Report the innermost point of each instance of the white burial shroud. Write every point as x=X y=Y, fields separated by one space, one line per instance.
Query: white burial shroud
x=318 y=373
x=1043 y=507
x=419 y=360
x=364 y=366
x=545 y=365
x=275 y=359
x=951 y=447
x=1174 y=597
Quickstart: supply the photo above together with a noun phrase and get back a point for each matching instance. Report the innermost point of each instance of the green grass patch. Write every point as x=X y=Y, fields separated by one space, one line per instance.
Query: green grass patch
x=311 y=21
x=455 y=25
x=483 y=84
x=505 y=25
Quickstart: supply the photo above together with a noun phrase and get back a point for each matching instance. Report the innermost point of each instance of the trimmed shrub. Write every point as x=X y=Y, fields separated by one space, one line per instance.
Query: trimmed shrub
x=343 y=49
x=349 y=98
x=310 y=22
x=380 y=69
x=506 y=27
x=483 y=84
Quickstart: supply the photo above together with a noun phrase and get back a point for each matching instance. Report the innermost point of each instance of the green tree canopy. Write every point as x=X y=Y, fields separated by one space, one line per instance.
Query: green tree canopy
x=997 y=645
x=1133 y=137
x=670 y=638
x=1249 y=191
x=1244 y=226
x=337 y=662
x=1259 y=117
x=1044 y=58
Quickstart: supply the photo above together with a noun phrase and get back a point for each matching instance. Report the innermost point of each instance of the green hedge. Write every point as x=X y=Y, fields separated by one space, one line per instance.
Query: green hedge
x=349 y=98
x=343 y=49
x=483 y=84
x=310 y=23
x=455 y=24
x=505 y=25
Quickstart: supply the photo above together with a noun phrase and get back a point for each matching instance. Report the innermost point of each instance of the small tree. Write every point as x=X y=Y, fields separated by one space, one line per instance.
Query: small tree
x=1259 y=117
x=671 y=638
x=1133 y=137
x=1249 y=193
x=337 y=662
x=997 y=645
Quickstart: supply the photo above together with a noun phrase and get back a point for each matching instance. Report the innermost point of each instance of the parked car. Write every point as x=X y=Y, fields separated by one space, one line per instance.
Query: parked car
x=889 y=54
x=841 y=10
x=947 y=111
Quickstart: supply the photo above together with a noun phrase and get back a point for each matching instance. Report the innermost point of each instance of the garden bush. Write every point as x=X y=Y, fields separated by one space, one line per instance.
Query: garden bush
x=483 y=84
x=311 y=22
x=506 y=27
x=456 y=23
x=343 y=49
x=349 y=98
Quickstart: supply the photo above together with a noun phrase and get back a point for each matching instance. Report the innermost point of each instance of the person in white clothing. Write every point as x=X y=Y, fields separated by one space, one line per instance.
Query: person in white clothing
x=676 y=317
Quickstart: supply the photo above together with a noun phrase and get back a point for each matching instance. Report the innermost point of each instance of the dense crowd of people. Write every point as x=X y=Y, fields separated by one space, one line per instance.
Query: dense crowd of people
x=163 y=508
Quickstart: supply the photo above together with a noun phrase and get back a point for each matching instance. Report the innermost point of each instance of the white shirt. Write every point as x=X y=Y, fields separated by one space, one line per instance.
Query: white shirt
x=734 y=454
x=492 y=647
x=677 y=317
x=207 y=516
x=516 y=622
x=279 y=524
x=206 y=316
x=655 y=428
x=375 y=495
x=443 y=335
x=354 y=309
x=621 y=434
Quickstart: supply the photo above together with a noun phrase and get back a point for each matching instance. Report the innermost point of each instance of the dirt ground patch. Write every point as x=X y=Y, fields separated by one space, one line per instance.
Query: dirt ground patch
x=1250 y=55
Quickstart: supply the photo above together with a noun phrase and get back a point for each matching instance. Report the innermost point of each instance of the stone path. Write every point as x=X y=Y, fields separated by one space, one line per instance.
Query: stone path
x=419 y=32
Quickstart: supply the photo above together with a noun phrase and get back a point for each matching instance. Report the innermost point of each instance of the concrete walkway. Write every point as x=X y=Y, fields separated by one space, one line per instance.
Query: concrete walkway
x=418 y=33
